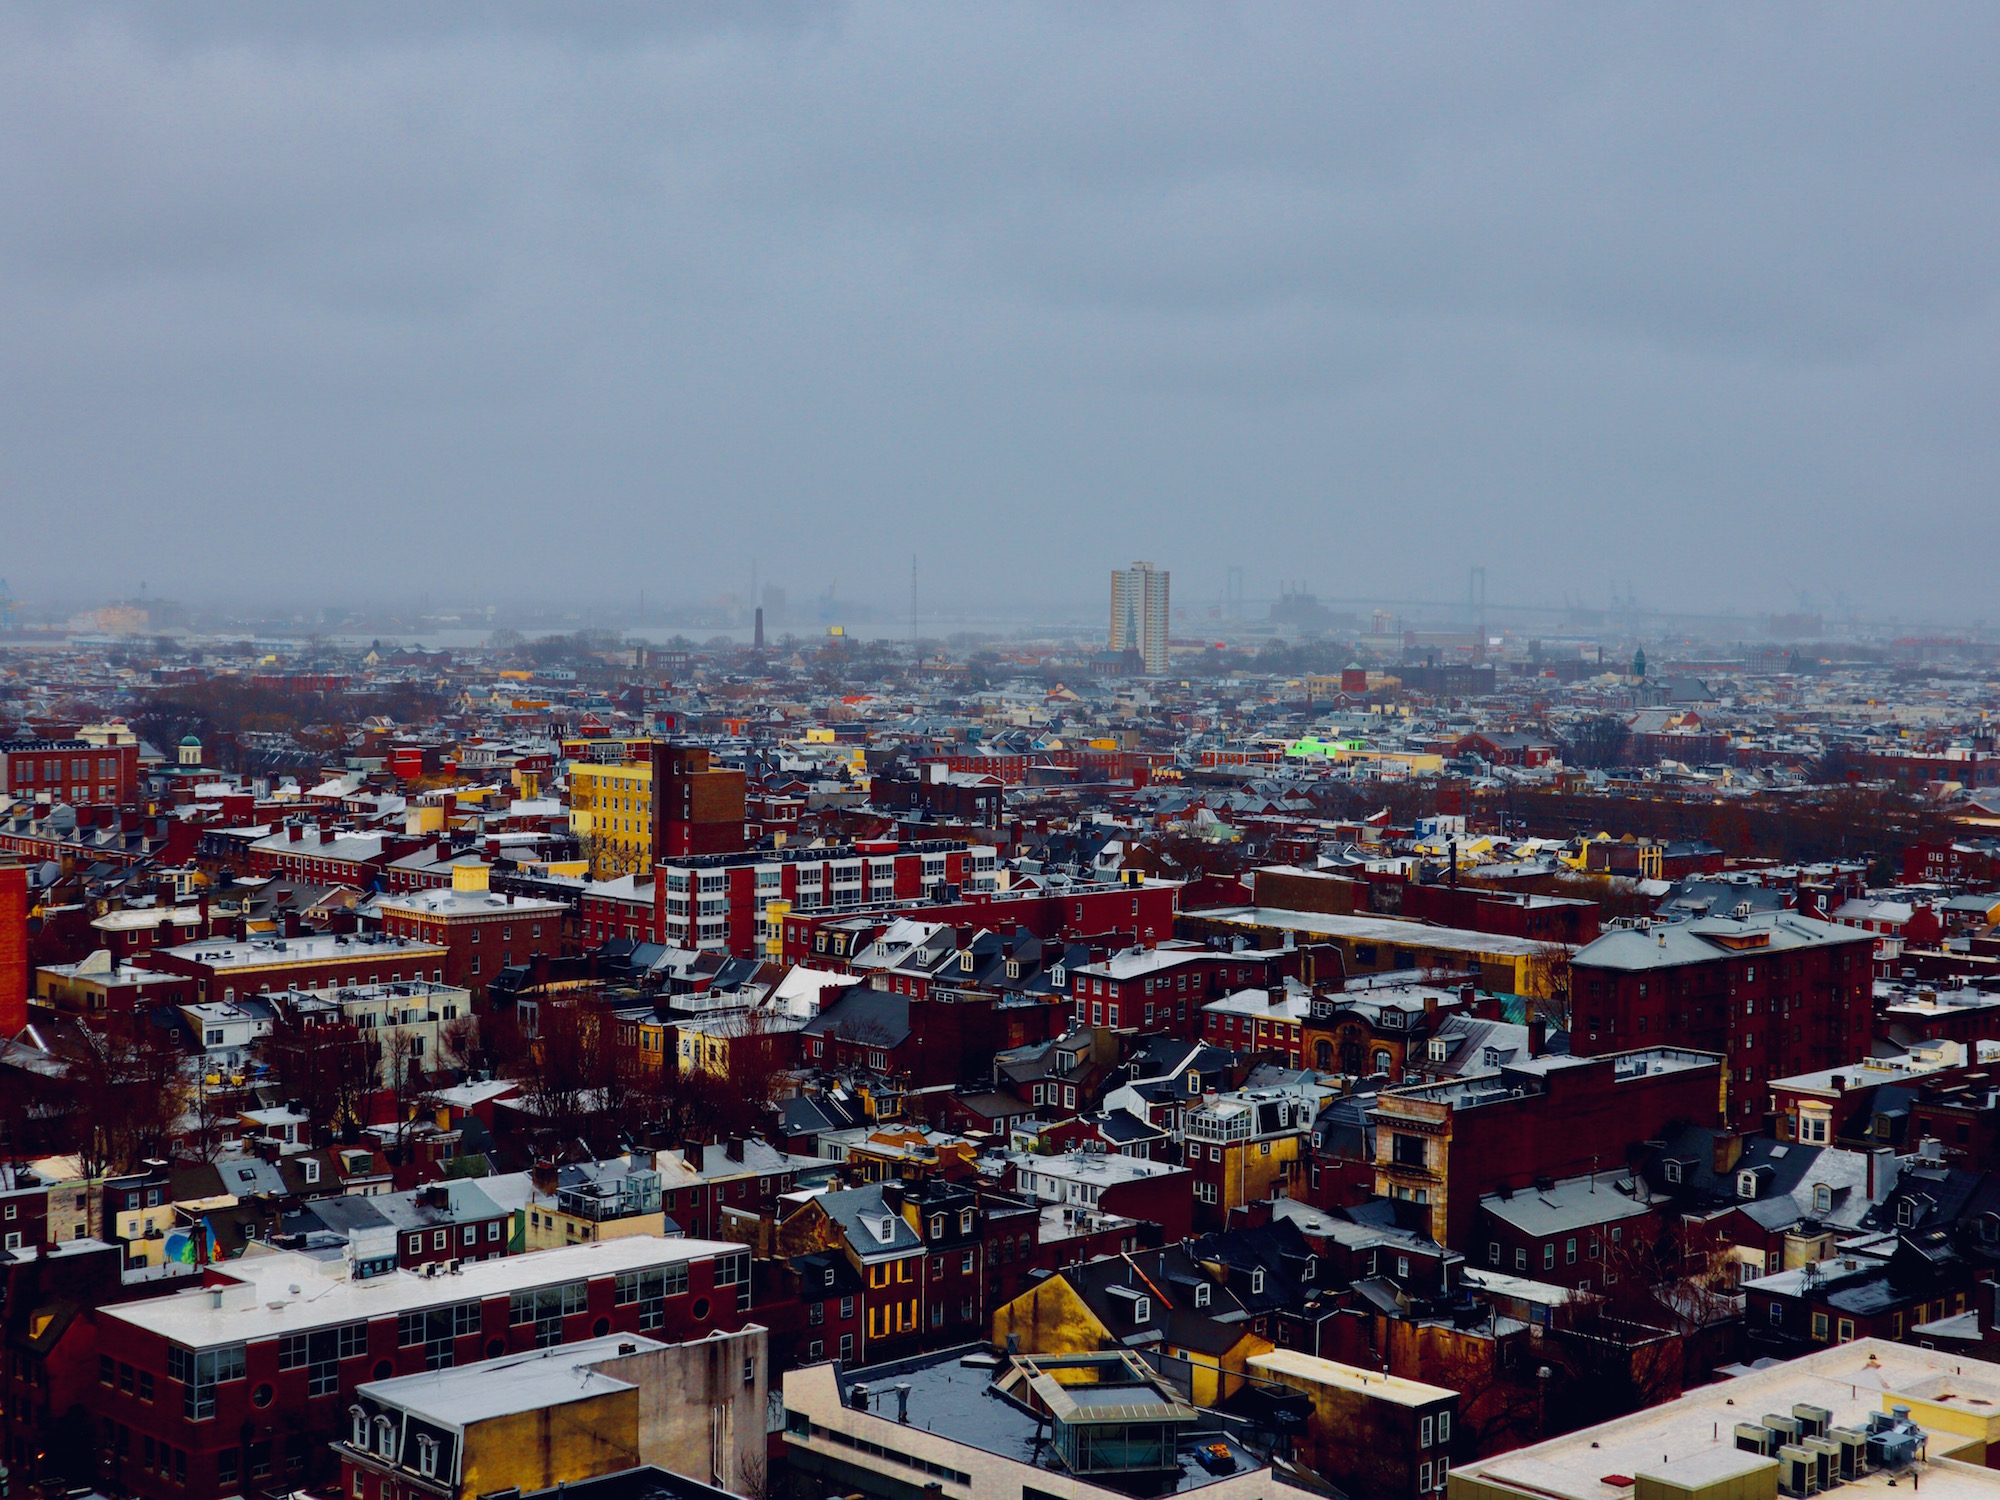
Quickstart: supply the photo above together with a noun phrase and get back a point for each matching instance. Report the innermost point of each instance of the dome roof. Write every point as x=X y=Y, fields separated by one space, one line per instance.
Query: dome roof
x=190 y=739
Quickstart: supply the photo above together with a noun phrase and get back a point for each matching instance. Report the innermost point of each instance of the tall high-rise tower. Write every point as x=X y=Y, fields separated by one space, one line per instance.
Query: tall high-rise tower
x=1139 y=614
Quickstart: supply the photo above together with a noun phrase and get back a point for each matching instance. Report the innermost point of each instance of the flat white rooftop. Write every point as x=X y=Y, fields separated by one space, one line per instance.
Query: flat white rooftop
x=287 y=1292
x=1690 y=1436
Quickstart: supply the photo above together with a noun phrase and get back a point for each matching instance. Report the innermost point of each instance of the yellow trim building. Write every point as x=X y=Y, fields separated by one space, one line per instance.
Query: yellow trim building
x=611 y=814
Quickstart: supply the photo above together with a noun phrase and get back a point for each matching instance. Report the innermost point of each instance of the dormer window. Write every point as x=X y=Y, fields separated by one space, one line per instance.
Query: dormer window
x=385 y=1438
x=886 y=1230
x=1193 y=1083
x=310 y=1167
x=1201 y=1294
x=965 y=961
x=1257 y=1282
x=1822 y=1198
x=1439 y=1049
x=1906 y=1213
x=1312 y=1269
x=1056 y=977
x=1671 y=1171
x=427 y=1456
x=1013 y=968
x=360 y=1434
x=965 y=1221
x=1142 y=1310
x=937 y=1226
x=1746 y=1184
x=828 y=1274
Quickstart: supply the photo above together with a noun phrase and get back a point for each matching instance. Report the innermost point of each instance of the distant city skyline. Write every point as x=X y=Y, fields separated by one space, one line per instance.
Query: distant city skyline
x=303 y=307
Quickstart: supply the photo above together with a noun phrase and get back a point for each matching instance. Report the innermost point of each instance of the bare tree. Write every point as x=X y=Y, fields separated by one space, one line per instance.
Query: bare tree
x=406 y=1080
x=1551 y=984
x=331 y=1069
x=129 y=1085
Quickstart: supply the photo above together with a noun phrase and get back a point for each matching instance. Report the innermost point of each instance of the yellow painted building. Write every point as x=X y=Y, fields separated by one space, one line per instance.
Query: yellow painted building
x=611 y=814
x=528 y=1422
x=1051 y=1317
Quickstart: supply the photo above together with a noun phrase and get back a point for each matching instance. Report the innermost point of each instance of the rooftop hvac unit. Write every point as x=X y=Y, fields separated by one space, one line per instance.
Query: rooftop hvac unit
x=1798 y=1472
x=1813 y=1420
x=1828 y=1453
x=1788 y=1428
x=1894 y=1441
x=1853 y=1450
x=1754 y=1437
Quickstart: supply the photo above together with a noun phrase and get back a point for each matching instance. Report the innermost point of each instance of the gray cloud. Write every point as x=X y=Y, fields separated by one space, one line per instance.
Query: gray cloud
x=323 y=301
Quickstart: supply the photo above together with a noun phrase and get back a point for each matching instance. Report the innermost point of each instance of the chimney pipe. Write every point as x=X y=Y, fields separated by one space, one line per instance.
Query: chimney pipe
x=902 y=1401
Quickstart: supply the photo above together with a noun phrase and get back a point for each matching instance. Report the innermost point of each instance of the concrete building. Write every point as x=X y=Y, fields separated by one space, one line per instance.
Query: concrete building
x=1795 y=1428
x=551 y=1417
x=1140 y=614
x=983 y=1426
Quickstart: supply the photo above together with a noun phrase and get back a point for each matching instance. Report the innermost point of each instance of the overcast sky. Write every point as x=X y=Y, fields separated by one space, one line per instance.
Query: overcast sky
x=337 y=301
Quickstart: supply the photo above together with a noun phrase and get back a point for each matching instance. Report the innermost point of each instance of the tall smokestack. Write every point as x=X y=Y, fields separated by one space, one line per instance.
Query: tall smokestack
x=758 y=639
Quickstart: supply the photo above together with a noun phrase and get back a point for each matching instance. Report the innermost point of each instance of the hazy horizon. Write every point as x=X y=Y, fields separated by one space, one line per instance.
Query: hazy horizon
x=515 y=303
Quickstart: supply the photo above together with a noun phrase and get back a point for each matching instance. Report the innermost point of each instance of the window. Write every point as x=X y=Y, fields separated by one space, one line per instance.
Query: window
x=1492 y=1252
x=200 y=1373
x=1444 y=1426
x=1569 y=1251
x=1549 y=1256
x=1521 y=1259
x=1426 y=1431
x=1201 y=1294
x=1819 y=1326
x=1844 y=1333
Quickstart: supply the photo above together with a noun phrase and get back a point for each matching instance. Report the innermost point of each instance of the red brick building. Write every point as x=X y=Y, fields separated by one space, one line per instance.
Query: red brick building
x=322 y=856
x=1446 y=1145
x=697 y=805
x=1776 y=993
x=70 y=770
x=241 y=1386
x=481 y=931
x=719 y=901
x=225 y=968
x=13 y=949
